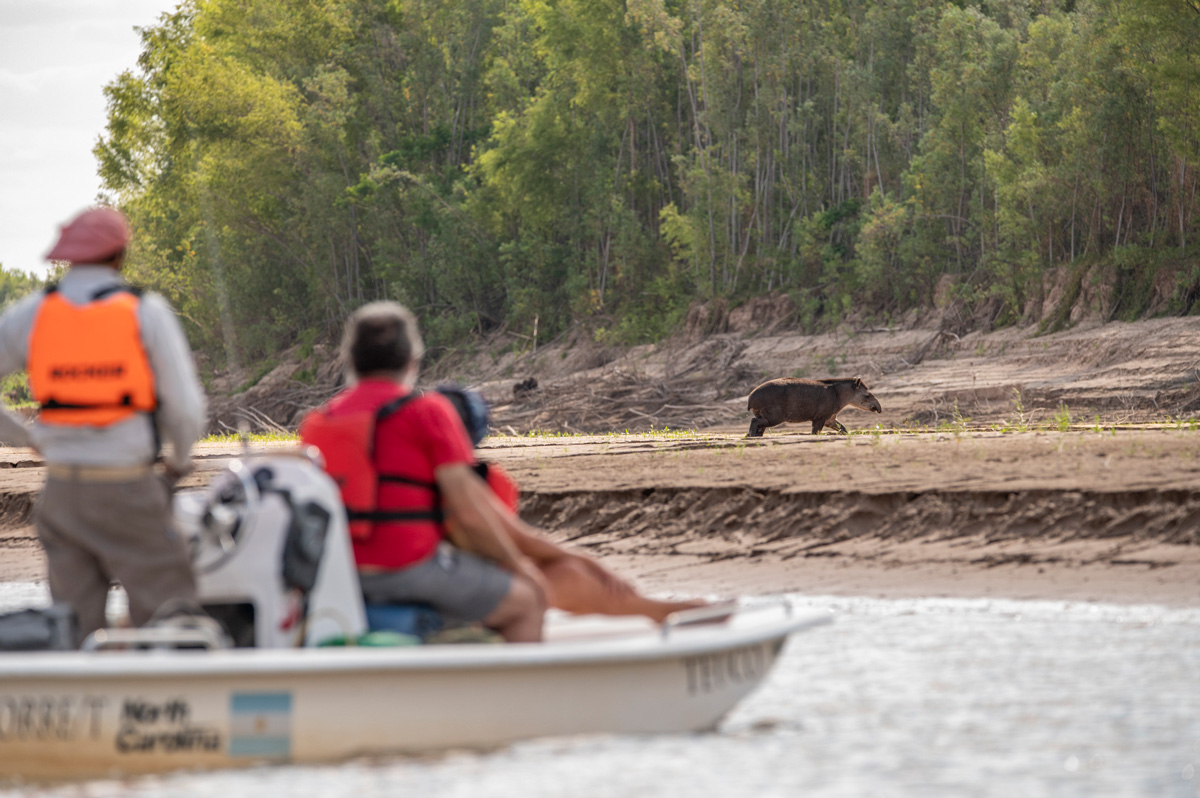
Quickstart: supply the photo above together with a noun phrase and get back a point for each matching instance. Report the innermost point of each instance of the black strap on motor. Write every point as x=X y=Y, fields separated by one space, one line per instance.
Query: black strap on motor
x=304 y=544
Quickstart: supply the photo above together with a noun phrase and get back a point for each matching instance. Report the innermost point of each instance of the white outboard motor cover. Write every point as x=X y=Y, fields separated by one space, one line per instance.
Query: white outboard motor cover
x=239 y=528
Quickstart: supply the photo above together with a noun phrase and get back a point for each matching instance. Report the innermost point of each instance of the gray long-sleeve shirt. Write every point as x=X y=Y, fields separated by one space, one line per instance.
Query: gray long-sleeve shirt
x=181 y=414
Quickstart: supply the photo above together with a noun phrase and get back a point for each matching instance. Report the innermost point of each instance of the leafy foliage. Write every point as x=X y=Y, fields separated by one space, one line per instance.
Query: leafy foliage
x=15 y=285
x=531 y=165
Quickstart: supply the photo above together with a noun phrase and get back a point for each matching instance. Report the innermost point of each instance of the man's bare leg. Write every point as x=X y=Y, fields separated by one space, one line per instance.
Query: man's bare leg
x=519 y=616
x=574 y=588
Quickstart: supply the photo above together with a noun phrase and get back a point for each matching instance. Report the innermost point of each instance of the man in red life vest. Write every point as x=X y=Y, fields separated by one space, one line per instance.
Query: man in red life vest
x=113 y=374
x=423 y=490
x=420 y=452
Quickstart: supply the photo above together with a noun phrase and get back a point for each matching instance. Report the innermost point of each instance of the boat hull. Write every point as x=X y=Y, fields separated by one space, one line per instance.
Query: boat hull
x=80 y=715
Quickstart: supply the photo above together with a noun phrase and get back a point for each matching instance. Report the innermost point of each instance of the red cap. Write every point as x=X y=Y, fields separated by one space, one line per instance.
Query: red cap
x=93 y=236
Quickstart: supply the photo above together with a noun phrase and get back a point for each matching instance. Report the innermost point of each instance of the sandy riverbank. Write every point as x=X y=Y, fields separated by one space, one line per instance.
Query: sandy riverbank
x=1077 y=515
x=1082 y=515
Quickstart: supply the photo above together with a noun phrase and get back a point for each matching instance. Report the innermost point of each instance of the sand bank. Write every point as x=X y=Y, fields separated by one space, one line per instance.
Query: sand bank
x=1082 y=515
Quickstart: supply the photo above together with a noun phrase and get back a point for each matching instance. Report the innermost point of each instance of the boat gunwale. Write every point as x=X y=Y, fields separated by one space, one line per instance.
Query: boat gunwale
x=643 y=646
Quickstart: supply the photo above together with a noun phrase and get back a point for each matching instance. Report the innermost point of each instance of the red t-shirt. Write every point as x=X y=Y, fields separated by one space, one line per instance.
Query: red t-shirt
x=422 y=436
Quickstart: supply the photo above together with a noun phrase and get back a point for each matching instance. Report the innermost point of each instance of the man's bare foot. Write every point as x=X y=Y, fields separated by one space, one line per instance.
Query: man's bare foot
x=698 y=611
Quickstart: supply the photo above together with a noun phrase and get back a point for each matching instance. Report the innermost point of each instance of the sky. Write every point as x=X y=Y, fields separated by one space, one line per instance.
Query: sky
x=55 y=58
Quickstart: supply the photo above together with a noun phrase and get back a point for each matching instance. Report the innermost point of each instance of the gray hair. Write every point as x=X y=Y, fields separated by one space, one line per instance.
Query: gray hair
x=381 y=337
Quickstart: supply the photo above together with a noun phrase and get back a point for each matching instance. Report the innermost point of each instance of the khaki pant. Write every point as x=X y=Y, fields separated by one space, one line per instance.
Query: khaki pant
x=99 y=532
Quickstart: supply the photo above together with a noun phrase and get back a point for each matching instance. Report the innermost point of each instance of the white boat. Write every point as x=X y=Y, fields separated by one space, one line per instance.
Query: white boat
x=78 y=715
x=101 y=712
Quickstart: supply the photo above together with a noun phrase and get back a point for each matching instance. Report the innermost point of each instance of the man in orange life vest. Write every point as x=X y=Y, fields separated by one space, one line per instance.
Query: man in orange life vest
x=113 y=374
x=428 y=486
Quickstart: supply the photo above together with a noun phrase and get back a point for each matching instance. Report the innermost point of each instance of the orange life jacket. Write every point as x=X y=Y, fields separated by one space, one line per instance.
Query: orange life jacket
x=347 y=444
x=87 y=365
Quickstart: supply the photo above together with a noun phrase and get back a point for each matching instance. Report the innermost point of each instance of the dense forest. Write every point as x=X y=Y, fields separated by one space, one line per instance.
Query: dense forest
x=527 y=165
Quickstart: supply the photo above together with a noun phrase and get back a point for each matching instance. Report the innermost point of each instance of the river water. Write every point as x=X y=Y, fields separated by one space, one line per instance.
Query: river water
x=929 y=697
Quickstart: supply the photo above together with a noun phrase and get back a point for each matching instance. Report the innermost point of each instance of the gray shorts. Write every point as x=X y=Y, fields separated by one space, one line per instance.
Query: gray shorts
x=457 y=584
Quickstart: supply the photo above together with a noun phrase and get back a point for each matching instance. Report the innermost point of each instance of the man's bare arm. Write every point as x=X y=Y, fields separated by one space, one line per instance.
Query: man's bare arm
x=469 y=507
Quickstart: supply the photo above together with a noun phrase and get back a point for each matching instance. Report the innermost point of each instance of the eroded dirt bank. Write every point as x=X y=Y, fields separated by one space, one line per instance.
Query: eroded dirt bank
x=1080 y=515
x=1101 y=516
x=971 y=500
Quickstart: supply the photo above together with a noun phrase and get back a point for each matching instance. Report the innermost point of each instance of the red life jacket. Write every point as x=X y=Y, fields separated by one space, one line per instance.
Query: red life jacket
x=347 y=443
x=501 y=484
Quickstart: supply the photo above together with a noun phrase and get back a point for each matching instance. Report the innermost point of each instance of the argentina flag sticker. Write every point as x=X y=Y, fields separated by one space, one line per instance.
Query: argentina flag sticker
x=260 y=724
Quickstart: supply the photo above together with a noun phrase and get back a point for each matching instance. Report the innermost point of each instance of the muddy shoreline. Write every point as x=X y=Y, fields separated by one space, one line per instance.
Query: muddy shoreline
x=1109 y=516
x=1078 y=515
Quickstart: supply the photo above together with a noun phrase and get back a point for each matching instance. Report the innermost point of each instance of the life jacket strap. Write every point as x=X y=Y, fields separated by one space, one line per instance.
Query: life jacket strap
x=417 y=483
x=100 y=293
x=108 y=291
x=380 y=516
x=389 y=409
x=54 y=404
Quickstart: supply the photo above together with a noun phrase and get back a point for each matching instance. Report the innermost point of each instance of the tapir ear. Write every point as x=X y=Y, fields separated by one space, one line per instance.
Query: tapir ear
x=858 y=382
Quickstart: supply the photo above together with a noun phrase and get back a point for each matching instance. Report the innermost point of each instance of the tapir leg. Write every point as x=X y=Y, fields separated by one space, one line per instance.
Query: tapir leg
x=833 y=422
x=818 y=423
x=758 y=424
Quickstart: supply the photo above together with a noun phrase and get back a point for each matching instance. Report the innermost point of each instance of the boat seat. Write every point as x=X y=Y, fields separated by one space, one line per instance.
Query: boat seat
x=418 y=620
